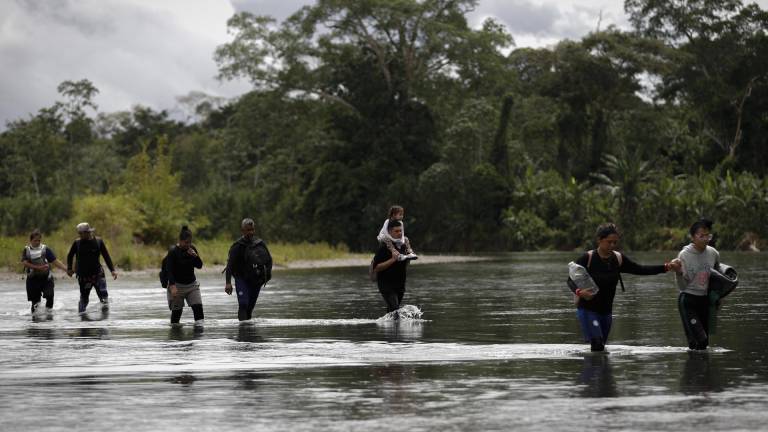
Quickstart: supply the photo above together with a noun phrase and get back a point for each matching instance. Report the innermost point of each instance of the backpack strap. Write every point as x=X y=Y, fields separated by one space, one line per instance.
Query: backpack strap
x=619 y=259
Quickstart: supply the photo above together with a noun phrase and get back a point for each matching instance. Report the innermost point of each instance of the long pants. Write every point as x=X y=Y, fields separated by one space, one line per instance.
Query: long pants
x=694 y=312
x=37 y=287
x=393 y=297
x=98 y=282
x=247 y=294
x=595 y=327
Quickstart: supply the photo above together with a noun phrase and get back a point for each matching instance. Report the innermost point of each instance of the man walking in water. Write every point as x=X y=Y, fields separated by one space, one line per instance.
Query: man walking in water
x=697 y=260
x=250 y=263
x=90 y=274
x=390 y=271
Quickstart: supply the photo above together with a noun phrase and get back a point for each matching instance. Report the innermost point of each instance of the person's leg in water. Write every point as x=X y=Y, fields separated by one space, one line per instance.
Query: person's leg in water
x=48 y=294
x=85 y=293
x=34 y=291
x=175 y=304
x=391 y=298
x=694 y=313
x=246 y=298
x=595 y=328
x=101 y=290
x=195 y=301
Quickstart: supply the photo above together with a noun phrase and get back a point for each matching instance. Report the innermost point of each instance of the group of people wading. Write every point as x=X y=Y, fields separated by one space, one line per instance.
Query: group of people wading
x=694 y=269
x=250 y=264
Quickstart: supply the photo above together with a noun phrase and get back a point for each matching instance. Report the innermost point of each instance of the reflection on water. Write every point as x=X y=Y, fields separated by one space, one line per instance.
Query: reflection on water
x=401 y=330
x=597 y=376
x=185 y=333
x=505 y=355
x=701 y=374
x=248 y=332
x=102 y=315
x=93 y=332
x=185 y=380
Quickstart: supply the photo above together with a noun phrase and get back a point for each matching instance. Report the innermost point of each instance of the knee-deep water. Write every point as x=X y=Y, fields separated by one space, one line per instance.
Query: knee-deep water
x=497 y=347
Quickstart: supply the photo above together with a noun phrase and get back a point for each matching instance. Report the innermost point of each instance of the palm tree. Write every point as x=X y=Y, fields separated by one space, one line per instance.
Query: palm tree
x=624 y=177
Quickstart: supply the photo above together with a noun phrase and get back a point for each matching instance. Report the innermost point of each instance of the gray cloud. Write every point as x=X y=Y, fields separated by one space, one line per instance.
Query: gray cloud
x=278 y=9
x=150 y=52
x=135 y=52
x=520 y=16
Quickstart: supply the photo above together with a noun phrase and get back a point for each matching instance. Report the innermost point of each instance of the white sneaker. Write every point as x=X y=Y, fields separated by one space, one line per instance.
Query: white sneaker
x=199 y=323
x=411 y=256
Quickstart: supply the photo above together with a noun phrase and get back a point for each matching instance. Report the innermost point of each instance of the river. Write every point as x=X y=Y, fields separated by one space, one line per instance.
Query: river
x=497 y=347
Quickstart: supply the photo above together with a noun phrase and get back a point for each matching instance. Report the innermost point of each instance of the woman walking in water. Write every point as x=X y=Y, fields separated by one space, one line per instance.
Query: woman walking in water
x=605 y=265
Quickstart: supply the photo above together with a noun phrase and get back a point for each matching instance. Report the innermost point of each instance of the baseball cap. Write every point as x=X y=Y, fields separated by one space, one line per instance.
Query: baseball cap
x=84 y=227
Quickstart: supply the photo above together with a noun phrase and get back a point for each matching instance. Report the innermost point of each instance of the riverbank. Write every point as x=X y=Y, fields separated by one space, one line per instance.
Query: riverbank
x=129 y=256
x=352 y=260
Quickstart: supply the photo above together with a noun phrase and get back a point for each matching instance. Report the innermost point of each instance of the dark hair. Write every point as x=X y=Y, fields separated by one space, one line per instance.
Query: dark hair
x=701 y=223
x=394 y=210
x=393 y=224
x=35 y=233
x=185 y=233
x=605 y=230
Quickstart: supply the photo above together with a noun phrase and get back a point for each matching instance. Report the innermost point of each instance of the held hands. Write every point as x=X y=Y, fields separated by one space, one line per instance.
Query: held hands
x=228 y=289
x=675 y=265
x=70 y=272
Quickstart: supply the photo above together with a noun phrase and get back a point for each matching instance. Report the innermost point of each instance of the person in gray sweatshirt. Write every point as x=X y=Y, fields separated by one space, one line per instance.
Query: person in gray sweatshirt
x=696 y=260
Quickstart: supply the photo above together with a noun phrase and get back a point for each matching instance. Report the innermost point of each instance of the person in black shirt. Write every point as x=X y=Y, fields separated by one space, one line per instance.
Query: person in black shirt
x=181 y=262
x=604 y=265
x=250 y=262
x=390 y=271
x=90 y=274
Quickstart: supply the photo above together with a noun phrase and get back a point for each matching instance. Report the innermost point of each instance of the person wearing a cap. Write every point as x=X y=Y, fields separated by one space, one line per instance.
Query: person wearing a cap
x=90 y=274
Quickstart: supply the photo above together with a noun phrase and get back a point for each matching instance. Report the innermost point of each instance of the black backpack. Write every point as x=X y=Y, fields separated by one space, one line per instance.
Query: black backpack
x=257 y=257
x=164 y=270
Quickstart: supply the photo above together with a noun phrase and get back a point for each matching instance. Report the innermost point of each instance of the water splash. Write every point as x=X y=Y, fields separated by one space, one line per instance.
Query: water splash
x=406 y=312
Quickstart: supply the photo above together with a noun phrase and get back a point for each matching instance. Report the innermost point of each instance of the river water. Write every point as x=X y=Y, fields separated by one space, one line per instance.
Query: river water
x=497 y=348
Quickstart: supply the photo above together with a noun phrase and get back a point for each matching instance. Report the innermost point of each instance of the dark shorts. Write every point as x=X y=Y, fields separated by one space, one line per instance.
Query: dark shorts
x=188 y=292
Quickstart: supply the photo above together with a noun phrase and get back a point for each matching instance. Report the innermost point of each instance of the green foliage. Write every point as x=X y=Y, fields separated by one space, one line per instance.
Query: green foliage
x=155 y=194
x=113 y=216
x=361 y=104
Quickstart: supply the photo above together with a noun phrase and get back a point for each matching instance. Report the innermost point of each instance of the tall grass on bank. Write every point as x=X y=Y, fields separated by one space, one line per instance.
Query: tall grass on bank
x=131 y=256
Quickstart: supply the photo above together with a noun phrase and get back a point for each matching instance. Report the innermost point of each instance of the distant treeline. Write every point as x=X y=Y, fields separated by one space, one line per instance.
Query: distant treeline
x=361 y=104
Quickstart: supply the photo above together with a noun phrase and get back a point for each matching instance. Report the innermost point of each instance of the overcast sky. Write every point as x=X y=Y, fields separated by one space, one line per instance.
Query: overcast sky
x=149 y=52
